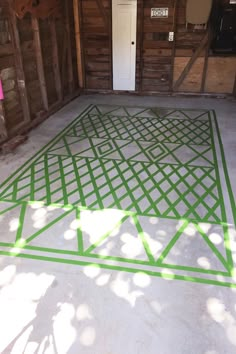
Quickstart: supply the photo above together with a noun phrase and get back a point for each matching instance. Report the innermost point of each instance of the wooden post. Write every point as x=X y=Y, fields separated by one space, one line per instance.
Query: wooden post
x=191 y=62
x=19 y=66
x=39 y=59
x=3 y=130
x=78 y=43
x=55 y=56
x=69 y=51
x=206 y=59
x=234 y=89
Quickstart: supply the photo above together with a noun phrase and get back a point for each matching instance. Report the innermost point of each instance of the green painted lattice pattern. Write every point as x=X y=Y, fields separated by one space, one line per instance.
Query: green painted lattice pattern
x=148 y=167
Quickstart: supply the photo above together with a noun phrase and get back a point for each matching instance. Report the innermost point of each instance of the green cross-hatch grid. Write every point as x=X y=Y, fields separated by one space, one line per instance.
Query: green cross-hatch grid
x=146 y=162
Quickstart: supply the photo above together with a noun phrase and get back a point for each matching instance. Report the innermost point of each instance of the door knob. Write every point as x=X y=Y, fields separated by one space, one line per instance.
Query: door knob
x=132 y=43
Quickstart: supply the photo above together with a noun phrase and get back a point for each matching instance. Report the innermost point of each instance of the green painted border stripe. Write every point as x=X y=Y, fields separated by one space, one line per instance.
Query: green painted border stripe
x=227 y=178
x=120 y=268
x=223 y=210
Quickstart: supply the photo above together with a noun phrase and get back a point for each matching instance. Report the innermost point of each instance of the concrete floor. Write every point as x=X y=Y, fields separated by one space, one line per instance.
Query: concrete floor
x=48 y=307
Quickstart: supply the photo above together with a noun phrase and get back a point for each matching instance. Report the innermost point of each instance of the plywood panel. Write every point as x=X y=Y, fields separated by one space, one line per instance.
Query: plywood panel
x=221 y=74
x=192 y=83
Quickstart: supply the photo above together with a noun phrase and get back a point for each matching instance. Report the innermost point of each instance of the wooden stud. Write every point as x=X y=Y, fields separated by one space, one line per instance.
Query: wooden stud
x=191 y=62
x=76 y=5
x=39 y=59
x=234 y=89
x=69 y=50
x=63 y=61
x=56 y=66
x=206 y=57
x=3 y=130
x=19 y=66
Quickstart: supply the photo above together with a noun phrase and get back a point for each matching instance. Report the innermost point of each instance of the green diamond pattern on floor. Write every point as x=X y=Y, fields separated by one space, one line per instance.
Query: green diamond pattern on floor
x=126 y=185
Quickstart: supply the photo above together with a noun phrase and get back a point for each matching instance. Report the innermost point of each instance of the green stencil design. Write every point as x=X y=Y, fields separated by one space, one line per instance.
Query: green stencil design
x=127 y=185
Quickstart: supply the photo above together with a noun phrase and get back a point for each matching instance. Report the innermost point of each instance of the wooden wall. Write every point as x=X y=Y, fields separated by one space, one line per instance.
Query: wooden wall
x=38 y=67
x=96 y=43
x=160 y=63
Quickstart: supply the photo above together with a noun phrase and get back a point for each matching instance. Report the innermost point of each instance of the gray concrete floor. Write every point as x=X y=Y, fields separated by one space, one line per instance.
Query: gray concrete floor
x=58 y=308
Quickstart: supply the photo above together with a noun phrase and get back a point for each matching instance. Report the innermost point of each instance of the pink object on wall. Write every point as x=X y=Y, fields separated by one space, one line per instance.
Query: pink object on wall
x=1 y=91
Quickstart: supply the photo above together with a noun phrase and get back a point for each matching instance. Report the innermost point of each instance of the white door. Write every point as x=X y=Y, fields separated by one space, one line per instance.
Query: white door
x=124 y=23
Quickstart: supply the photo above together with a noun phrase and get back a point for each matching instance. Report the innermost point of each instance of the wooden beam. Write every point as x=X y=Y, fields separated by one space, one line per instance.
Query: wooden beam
x=69 y=49
x=3 y=130
x=39 y=59
x=76 y=5
x=191 y=62
x=103 y=12
x=19 y=66
x=206 y=57
x=55 y=58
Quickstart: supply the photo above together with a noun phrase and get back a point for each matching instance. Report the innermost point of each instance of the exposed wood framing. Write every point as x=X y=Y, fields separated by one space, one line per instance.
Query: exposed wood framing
x=76 y=5
x=24 y=128
x=19 y=66
x=205 y=67
x=3 y=130
x=234 y=89
x=69 y=55
x=103 y=12
x=40 y=67
x=56 y=66
x=191 y=62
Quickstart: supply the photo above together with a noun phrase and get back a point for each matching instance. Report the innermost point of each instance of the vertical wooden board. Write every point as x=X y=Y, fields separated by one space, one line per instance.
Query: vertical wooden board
x=19 y=65
x=47 y=48
x=221 y=75
x=3 y=130
x=39 y=59
x=96 y=42
x=69 y=48
x=192 y=82
x=55 y=58
x=79 y=53
x=30 y=65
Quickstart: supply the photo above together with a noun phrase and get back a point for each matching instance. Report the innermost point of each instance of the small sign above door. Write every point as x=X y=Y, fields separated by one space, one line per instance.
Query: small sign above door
x=158 y=12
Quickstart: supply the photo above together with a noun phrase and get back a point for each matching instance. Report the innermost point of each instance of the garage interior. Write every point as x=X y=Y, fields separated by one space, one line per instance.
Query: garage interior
x=117 y=207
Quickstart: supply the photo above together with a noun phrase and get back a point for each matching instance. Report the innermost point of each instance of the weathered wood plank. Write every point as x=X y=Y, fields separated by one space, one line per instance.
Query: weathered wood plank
x=19 y=66
x=39 y=59
x=55 y=57
x=76 y=5
x=3 y=130
x=69 y=49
